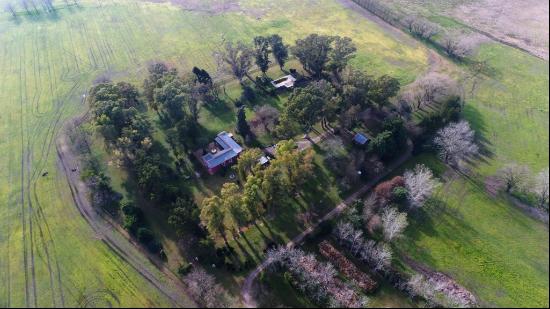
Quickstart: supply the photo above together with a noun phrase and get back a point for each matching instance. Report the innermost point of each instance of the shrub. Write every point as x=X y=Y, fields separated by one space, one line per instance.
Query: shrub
x=248 y=95
x=399 y=194
x=144 y=235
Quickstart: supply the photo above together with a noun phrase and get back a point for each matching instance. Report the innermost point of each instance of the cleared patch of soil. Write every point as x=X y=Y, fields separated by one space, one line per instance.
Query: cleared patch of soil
x=523 y=23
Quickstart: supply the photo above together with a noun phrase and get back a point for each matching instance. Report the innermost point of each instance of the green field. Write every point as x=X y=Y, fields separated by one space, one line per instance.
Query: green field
x=49 y=256
x=488 y=246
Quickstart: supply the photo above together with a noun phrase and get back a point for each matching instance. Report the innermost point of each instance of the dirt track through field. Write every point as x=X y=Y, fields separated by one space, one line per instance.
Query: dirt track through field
x=162 y=279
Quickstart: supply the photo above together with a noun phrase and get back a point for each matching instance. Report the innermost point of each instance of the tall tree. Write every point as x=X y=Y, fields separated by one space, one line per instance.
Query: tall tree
x=236 y=215
x=156 y=72
x=393 y=223
x=514 y=176
x=456 y=142
x=252 y=197
x=212 y=217
x=242 y=125
x=384 y=88
x=170 y=97
x=279 y=49
x=265 y=118
x=274 y=186
x=202 y=76
x=296 y=165
x=313 y=52
x=420 y=184
x=429 y=89
x=342 y=52
x=261 y=53
x=356 y=86
x=247 y=163
x=238 y=59
x=306 y=106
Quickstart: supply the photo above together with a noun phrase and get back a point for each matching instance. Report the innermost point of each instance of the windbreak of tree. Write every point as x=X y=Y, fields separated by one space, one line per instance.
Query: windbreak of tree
x=454 y=44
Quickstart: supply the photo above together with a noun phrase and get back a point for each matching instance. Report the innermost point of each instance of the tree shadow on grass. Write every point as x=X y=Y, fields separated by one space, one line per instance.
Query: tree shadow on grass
x=251 y=247
x=477 y=122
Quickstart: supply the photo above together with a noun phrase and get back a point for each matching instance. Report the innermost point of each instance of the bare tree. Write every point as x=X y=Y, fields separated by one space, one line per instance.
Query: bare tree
x=421 y=27
x=420 y=184
x=393 y=223
x=429 y=89
x=369 y=207
x=205 y=291
x=266 y=118
x=317 y=279
x=456 y=142
x=457 y=47
x=541 y=187
x=514 y=176
x=237 y=58
x=377 y=256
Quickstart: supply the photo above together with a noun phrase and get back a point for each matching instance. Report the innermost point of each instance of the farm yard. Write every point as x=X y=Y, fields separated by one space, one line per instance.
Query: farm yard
x=50 y=256
x=53 y=253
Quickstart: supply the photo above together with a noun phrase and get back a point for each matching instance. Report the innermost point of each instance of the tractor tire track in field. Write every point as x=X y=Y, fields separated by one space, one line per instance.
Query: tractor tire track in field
x=173 y=288
x=22 y=182
x=10 y=194
x=38 y=214
x=29 y=176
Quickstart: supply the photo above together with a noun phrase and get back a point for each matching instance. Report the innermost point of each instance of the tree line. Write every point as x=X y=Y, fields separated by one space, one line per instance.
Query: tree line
x=117 y=115
x=454 y=44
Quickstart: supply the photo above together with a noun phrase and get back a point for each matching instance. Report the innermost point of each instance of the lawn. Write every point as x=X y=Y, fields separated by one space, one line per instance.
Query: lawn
x=49 y=256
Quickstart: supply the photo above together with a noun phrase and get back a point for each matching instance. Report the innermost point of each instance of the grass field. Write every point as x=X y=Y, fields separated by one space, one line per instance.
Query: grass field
x=49 y=256
x=488 y=246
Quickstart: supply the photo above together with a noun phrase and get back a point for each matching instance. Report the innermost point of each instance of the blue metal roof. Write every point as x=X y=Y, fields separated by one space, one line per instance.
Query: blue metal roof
x=230 y=149
x=360 y=139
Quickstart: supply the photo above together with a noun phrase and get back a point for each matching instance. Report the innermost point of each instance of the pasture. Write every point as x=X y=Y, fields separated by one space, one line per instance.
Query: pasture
x=484 y=242
x=491 y=248
x=49 y=255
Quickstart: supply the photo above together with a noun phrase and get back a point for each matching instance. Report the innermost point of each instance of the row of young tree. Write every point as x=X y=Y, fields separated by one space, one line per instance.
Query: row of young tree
x=454 y=44
x=318 y=280
x=263 y=188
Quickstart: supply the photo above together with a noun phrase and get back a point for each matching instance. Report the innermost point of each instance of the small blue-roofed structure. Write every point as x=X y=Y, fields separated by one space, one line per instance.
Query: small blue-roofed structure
x=223 y=152
x=361 y=139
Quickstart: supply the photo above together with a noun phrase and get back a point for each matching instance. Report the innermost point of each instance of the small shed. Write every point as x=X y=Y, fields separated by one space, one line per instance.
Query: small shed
x=361 y=139
x=284 y=82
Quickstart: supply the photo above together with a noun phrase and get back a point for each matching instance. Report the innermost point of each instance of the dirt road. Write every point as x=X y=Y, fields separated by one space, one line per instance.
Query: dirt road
x=246 y=290
x=118 y=241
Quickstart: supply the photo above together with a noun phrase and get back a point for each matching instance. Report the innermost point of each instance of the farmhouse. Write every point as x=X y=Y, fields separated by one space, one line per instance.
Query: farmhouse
x=284 y=82
x=222 y=152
